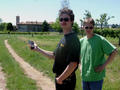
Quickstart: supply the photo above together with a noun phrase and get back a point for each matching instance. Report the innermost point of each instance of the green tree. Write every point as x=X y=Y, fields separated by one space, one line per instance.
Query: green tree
x=97 y=22
x=87 y=14
x=2 y=26
x=0 y=20
x=75 y=27
x=81 y=22
x=104 y=18
x=114 y=25
x=45 y=26
x=9 y=27
x=56 y=25
x=5 y=27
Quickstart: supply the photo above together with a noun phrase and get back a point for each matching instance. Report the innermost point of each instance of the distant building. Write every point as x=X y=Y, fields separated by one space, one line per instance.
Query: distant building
x=29 y=26
x=17 y=21
x=104 y=26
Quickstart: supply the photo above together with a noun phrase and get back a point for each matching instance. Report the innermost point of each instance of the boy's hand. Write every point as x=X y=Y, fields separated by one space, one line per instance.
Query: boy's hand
x=100 y=68
x=58 y=80
x=32 y=45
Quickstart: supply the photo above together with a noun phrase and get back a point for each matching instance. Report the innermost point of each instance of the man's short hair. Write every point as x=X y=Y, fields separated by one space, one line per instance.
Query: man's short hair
x=67 y=11
x=89 y=20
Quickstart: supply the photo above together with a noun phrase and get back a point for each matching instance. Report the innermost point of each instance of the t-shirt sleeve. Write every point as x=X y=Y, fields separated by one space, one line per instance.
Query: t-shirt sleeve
x=74 y=52
x=107 y=46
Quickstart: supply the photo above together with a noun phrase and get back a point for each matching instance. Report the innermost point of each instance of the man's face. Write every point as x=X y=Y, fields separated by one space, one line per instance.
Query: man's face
x=88 y=28
x=65 y=21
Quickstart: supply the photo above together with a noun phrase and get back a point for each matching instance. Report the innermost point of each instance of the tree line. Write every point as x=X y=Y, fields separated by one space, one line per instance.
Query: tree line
x=7 y=27
x=101 y=22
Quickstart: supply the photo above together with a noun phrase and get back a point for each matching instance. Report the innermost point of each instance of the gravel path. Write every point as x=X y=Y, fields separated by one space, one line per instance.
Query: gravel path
x=2 y=80
x=42 y=81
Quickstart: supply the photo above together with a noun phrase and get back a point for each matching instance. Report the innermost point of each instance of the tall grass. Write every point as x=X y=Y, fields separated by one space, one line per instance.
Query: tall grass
x=49 y=42
x=15 y=77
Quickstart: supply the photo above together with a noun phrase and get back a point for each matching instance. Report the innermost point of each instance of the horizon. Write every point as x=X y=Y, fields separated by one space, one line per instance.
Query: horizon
x=36 y=10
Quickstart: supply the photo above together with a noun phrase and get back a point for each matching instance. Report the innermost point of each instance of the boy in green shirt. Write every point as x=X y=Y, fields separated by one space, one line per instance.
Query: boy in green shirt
x=93 y=63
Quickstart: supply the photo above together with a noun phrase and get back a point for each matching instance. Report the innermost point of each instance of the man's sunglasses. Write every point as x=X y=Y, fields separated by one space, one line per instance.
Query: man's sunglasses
x=88 y=27
x=64 y=19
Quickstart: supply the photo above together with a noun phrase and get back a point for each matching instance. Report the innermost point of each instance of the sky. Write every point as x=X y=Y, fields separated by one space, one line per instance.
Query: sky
x=40 y=10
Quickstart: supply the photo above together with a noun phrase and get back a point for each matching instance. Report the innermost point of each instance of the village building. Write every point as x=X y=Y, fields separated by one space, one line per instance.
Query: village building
x=29 y=26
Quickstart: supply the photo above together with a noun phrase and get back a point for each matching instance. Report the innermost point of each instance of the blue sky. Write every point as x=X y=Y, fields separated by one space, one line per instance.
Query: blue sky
x=40 y=10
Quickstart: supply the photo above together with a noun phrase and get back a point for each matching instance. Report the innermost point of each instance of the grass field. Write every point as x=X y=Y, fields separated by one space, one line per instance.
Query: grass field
x=41 y=63
x=16 y=79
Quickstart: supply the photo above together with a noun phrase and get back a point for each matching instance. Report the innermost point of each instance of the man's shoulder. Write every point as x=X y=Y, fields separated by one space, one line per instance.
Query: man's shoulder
x=72 y=37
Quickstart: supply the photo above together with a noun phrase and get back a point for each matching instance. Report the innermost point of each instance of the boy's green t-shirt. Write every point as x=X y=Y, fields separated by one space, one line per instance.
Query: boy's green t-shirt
x=92 y=55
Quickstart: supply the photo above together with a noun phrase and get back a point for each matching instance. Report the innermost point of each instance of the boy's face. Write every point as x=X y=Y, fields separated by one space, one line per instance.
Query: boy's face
x=88 y=28
x=65 y=21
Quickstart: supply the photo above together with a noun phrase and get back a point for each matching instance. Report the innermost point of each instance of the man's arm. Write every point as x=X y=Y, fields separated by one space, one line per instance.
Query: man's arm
x=109 y=59
x=67 y=72
x=46 y=53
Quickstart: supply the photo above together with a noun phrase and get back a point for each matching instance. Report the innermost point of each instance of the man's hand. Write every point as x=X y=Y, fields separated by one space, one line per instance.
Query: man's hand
x=59 y=81
x=100 y=68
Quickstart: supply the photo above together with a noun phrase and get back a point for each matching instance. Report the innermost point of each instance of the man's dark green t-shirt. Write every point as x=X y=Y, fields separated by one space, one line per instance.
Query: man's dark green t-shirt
x=68 y=50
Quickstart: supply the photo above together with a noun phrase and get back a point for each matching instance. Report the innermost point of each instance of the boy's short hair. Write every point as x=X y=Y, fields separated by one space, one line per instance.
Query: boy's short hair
x=89 y=20
x=67 y=11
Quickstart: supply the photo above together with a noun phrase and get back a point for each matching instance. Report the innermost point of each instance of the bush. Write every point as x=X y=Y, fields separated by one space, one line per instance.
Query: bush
x=107 y=32
x=25 y=33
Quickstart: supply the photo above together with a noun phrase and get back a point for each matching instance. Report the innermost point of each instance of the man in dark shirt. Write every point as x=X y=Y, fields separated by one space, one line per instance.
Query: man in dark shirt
x=67 y=53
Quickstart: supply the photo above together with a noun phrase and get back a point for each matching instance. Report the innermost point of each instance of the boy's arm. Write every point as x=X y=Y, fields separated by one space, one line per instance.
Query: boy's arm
x=46 y=53
x=109 y=59
x=67 y=72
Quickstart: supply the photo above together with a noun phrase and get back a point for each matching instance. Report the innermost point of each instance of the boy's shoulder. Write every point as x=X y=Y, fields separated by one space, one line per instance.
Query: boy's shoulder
x=83 y=38
x=99 y=36
x=96 y=36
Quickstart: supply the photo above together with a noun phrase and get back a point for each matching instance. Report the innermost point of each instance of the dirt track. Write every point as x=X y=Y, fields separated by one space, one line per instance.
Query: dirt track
x=2 y=80
x=42 y=81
